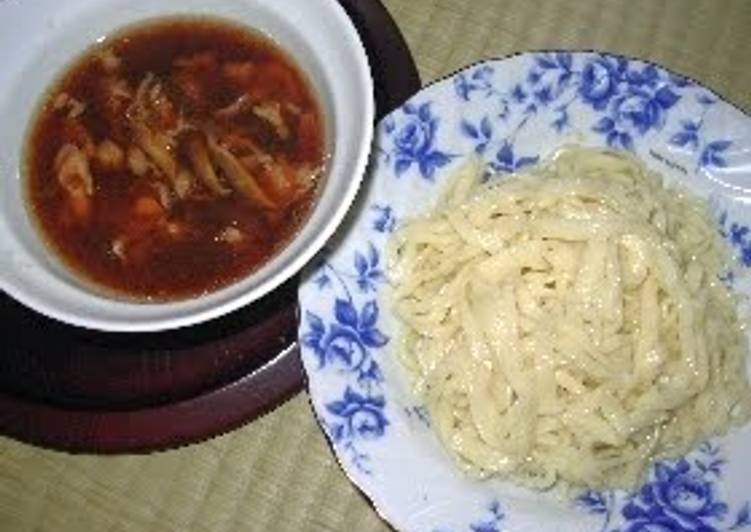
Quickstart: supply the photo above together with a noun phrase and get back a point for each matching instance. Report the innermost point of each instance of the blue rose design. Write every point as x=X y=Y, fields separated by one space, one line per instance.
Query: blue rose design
x=677 y=499
x=415 y=138
x=642 y=110
x=681 y=496
x=361 y=416
x=413 y=142
x=599 y=81
x=634 y=113
x=345 y=342
x=637 y=110
x=685 y=494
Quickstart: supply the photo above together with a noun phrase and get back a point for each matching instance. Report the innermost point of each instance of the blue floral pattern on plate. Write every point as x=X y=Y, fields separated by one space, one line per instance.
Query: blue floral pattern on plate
x=413 y=143
x=513 y=112
x=680 y=496
x=347 y=345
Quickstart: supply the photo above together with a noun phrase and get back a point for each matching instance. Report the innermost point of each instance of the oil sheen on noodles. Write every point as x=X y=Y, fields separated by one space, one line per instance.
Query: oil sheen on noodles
x=567 y=325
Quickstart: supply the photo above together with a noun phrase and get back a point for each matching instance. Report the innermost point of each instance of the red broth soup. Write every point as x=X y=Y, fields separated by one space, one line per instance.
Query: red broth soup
x=174 y=158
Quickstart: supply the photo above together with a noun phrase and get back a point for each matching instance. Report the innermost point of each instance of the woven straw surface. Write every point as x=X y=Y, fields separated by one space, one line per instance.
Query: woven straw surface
x=277 y=473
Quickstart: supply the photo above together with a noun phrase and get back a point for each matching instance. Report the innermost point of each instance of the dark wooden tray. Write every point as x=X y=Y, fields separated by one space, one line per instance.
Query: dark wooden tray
x=84 y=391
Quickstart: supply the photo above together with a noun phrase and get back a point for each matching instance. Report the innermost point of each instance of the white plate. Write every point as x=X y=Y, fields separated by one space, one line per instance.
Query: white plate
x=514 y=111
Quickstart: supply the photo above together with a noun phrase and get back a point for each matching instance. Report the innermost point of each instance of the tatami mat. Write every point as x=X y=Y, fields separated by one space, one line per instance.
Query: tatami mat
x=278 y=474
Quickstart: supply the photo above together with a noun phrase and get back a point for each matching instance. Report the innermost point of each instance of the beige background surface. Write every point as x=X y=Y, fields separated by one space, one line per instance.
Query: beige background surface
x=278 y=474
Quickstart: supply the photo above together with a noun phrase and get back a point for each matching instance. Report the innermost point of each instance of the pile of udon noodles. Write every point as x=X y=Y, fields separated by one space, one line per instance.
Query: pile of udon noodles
x=567 y=326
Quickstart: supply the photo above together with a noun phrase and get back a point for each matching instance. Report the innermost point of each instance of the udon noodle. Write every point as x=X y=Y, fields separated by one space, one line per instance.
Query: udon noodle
x=568 y=323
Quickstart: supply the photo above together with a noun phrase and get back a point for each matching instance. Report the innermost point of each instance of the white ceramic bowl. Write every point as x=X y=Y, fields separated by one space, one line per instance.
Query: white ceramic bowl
x=38 y=39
